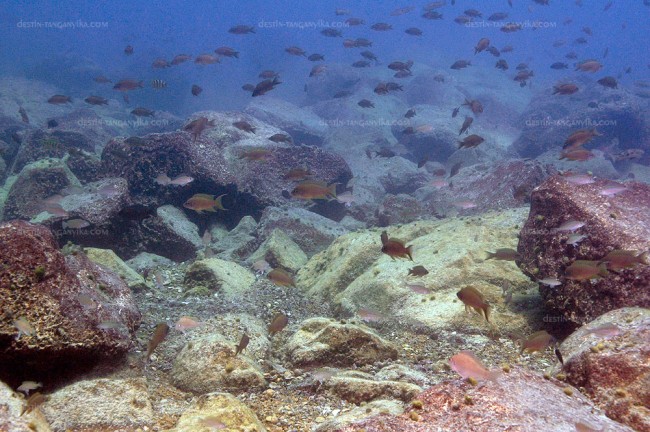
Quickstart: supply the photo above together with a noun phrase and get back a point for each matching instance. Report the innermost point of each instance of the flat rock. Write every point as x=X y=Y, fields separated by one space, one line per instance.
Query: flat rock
x=179 y=224
x=608 y=358
x=611 y=222
x=370 y=409
x=357 y=387
x=226 y=277
x=280 y=251
x=110 y=260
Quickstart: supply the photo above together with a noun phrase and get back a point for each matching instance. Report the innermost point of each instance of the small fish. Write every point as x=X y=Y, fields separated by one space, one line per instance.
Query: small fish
x=558 y=354
x=196 y=127
x=612 y=190
x=505 y=254
x=466 y=124
x=196 y=90
x=579 y=179
x=577 y=154
x=472 y=298
x=241 y=29
x=565 y=89
x=574 y=239
x=395 y=248
x=278 y=324
x=365 y=103
x=346 y=198
x=128 y=84
x=465 y=205
x=621 y=259
x=471 y=141
x=101 y=80
x=261 y=267
x=369 y=315
x=245 y=126
x=28 y=386
x=109 y=325
x=23 y=115
x=313 y=190
x=581 y=270
x=86 y=302
x=609 y=82
x=160 y=63
x=59 y=100
x=538 y=341
x=142 y=112
x=201 y=202
x=75 y=224
x=180 y=58
x=587 y=427
x=158 y=84
x=281 y=138
x=159 y=335
x=227 y=52
x=418 y=288
x=455 y=169
x=281 y=277
x=243 y=343
x=418 y=271
x=570 y=225
x=206 y=59
x=265 y=86
x=460 y=64
x=605 y=330
x=297 y=174
x=552 y=282
x=467 y=365
x=256 y=154
x=316 y=57
x=185 y=323
x=128 y=50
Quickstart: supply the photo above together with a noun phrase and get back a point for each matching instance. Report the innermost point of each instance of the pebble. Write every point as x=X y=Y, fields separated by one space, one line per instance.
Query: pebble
x=271 y=419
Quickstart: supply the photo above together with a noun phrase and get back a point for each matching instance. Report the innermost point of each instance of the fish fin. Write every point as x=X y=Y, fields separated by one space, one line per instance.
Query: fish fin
x=486 y=312
x=218 y=204
x=644 y=258
x=602 y=270
x=490 y=255
x=409 y=250
x=331 y=190
x=384 y=237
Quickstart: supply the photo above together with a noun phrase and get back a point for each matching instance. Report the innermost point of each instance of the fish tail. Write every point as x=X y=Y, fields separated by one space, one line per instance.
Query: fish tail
x=217 y=203
x=331 y=190
x=602 y=269
x=644 y=258
x=490 y=255
x=486 y=312
x=409 y=251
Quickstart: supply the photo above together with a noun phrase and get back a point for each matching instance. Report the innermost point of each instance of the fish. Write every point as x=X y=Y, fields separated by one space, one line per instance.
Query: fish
x=381 y=26
x=369 y=315
x=278 y=324
x=587 y=427
x=128 y=50
x=86 y=302
x=579 y=179
x=340 y=12
x=227 y=52
x=128 y=84
x=472 y=298
x=297 y=174
x=158 y=84
x=346 y=198
x=180 y=58
x=418 y=288
x=313 y=189
x=160 y=63
x=256 y=154
x=460 y=64
x=24 y=327
x=201 y=202
x=33 y=402
x=612 y=189
x=281 y=138
x=413 y=31
x=185 y=323
x=418 y=271
x=317 y=70
x=75 y=224
x=504 y=254
x=578 y=154
x=197 y=126
x=494 y=51
x=395 y=248
x=620 y=259
x=331 y=32
x=482 y=44
x=361 y=64
x=455 y=169
x=28 y=386
x=402 y=11
x=354 y=21
x=316 y=57
x=410 y=113
x=589 y=66
x=142 y=112
x=23 y=115
x=467 y=366
x=281 y=277
x=439 y=183
x=605 y=330
x=507 y=49
x=159 y=334
x=473 y=105
x=552 y=282
x=574 y=239
x=538 y=341
x=101 y=80
x=243 y=343
x=608 y=81
x=196 y=90
x=261 y=267
x=510 y=27
x=265 y=86
x=470 y=141
x=570 y=225
x=580 y=137
x=628 y=154
x=581 y=270
x=241 y=29
x=565 y=89
x=206 y=59
x=59 y=100
x=296 y=51
x=245 y=126
x=502 y=64
x=559 y=65
x=108 y=325
x=466 y=124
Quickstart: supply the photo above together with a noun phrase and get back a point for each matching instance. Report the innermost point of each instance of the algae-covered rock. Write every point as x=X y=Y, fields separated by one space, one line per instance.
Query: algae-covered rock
x=100 y=404
x=209 y=363
x=177 y=222
x=216 y=274
x=323 y=341
x=357 y=387
x=217 y=408
x=279 y=250
x=12 y=417
x=107 y=258
x=370 y=409
x=145 y=261
x=236 y=243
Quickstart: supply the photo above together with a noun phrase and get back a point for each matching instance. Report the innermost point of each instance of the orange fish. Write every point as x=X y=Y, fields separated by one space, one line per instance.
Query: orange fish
x=312 y=189
x=472 y=298
x=204 y=202
x=281 y=277
x=196 y=127
x=584 y=270
x=467 y=365
x=538 y=341
x=159 y=334
x=620 y=259
x=278 y=324
x=580 y=137
x=577 y=154
x=395 y=247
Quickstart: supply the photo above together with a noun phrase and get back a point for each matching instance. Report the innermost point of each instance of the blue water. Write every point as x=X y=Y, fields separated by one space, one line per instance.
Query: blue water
x=72 y=53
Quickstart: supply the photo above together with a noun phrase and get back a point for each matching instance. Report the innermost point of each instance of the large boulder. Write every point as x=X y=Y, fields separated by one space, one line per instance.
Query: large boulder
x=521 y=400
x=72 y=312
x=215 y=410
x=12 y=417
x=614 y=222
x=608 y=358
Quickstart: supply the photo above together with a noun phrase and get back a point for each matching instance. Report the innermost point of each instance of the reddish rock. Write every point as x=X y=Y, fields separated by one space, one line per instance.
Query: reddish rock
x=520 y=401
x=609 y=359
x=41 y=285
x=611 y=222
x=399 y=209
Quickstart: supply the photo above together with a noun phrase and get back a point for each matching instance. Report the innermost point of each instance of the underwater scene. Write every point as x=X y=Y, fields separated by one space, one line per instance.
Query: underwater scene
x=325 y=216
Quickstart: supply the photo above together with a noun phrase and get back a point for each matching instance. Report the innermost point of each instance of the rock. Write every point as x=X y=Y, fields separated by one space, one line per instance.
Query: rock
x=304 y=126
x=100 y=404
x=401 y=208
x=220 y=407
x=400 y=176
x=353 y=273
x=599 y=166
x=176 y=221
x=615 y=222
x=145 y=261
x=108 y=259
x=326 y=342
x=237 y=243
x=209 y=363
x=399 y=372
x=520 y=399
x=12 y=406
x=372 y=408
x=35 y=182
x=66 y=333
x=612 y=368
x=85 y=165
x=311 y=232
x=228 y=278
x=280 y=251
x=357 y=387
